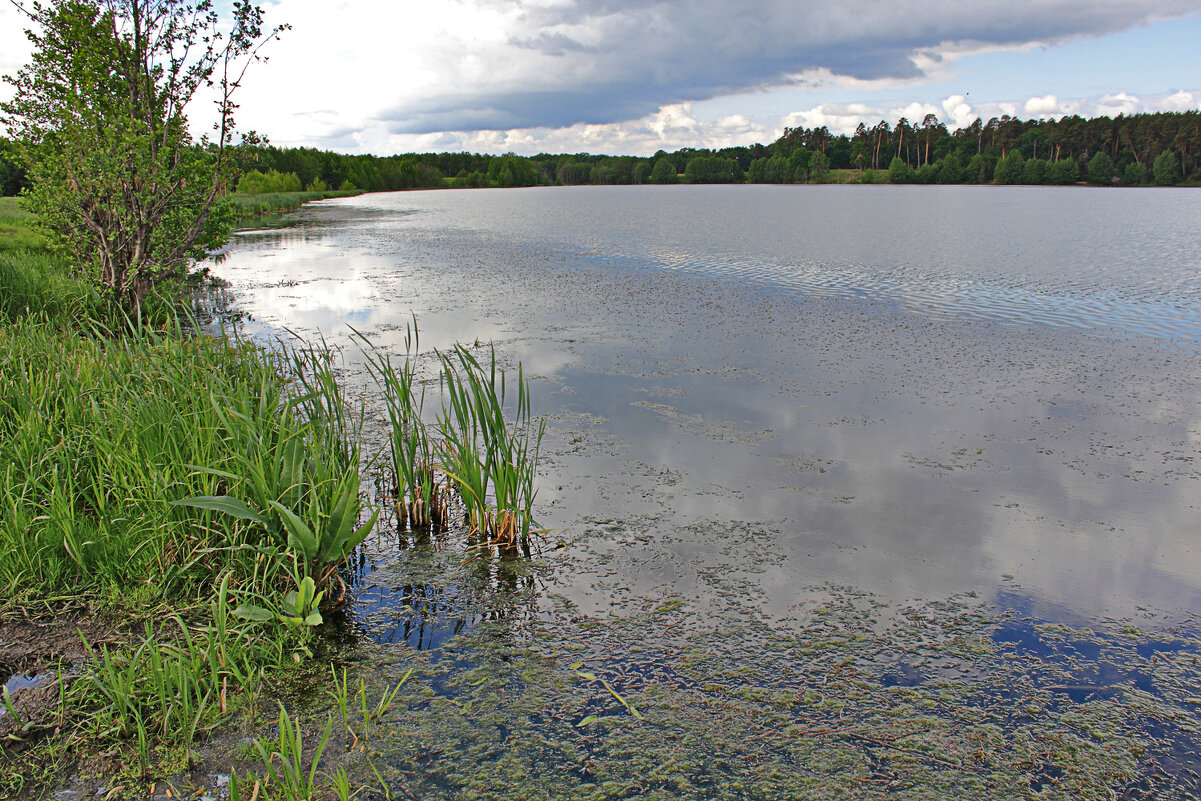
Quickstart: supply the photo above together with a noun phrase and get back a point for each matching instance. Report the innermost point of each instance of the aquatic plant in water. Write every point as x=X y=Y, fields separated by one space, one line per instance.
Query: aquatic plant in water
x=422 y=496
x=491 y=461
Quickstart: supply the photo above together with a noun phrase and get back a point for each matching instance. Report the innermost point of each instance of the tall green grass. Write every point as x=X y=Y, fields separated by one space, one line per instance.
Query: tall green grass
x=34 y=283
x=17 y=228
x=292 y=463
x=148 y=471
x=99 y=435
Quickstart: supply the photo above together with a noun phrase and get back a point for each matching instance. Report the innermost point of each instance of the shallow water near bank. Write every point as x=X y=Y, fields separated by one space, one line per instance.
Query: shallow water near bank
x=831 y=467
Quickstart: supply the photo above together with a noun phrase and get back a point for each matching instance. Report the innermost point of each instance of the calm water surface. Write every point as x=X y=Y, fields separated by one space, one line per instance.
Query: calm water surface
x=766 y=399
x=919 y=391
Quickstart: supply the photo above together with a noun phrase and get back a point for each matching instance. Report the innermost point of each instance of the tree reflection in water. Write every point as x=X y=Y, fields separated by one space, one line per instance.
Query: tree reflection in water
x=424 y=587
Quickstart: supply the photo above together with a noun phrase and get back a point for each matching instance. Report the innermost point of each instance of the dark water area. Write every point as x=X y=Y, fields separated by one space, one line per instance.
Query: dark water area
x=935 y=440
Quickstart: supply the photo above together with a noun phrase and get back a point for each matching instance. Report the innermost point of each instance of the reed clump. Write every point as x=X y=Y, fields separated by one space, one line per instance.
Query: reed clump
x=490 y=455
x=420 y=490
x=483 y=449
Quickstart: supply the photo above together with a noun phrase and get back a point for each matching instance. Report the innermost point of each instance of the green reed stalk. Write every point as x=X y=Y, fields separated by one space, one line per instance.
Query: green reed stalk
x=295 y=776
x=491 y=459
x=420 y=495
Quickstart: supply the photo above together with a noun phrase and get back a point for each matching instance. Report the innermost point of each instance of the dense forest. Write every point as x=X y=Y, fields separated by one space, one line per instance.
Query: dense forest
x=1163 y=149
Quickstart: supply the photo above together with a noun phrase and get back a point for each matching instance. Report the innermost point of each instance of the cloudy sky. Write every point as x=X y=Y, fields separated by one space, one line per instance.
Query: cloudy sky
x=636 y=76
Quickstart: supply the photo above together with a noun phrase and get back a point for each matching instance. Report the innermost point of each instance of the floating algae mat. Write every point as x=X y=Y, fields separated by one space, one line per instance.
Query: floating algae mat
x=828 y=516
x=518 y=692
x=846 y=696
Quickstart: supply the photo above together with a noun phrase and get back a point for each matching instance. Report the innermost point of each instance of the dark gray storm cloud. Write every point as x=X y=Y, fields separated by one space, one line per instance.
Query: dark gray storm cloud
x=603 y=61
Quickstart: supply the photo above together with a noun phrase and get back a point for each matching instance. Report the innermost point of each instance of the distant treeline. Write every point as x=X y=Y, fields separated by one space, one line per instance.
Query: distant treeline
x=1162 y=148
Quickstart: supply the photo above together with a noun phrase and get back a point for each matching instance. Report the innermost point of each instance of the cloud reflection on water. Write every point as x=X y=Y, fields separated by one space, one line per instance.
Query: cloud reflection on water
x=912 y=455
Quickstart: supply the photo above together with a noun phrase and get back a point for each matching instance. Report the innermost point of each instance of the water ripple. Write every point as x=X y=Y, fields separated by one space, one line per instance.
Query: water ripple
x=1126 y=262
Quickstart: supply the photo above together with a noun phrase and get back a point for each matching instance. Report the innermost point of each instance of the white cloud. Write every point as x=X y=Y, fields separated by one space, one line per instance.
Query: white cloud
x=1180 y=101
x=838 y=119
x=1044 y=106
x=734 y=122
x=670 y=128
x=1107 y=105
x=956 y=112
x=1113 y=105
x=916 y=112
x=673 y=121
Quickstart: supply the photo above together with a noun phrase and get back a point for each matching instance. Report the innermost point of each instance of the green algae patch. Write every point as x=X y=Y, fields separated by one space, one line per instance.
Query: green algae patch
x=854 y=700
x=846 y=697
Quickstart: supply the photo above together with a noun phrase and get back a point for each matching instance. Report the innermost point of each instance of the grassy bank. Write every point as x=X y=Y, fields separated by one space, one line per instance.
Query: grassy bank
x=174 y=512
x=274 y=202
x=173 y=507
x=99 y=436
x=152 y=484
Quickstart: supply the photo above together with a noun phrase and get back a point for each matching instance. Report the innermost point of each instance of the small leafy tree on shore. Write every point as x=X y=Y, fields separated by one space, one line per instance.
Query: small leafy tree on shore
x=950 y=171
x=979 y=170
x=1135 y=175
x=899 y=172
x=819 y=167
x=1010 y=169
x=1100 y=169
x=257 y=183
x=1064 y=172
x=1165 y=168
x=119 y=183
x=664 y=172
x=1034 y=171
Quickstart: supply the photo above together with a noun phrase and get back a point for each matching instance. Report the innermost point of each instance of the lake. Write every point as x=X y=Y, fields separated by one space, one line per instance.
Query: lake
x=943 y=439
